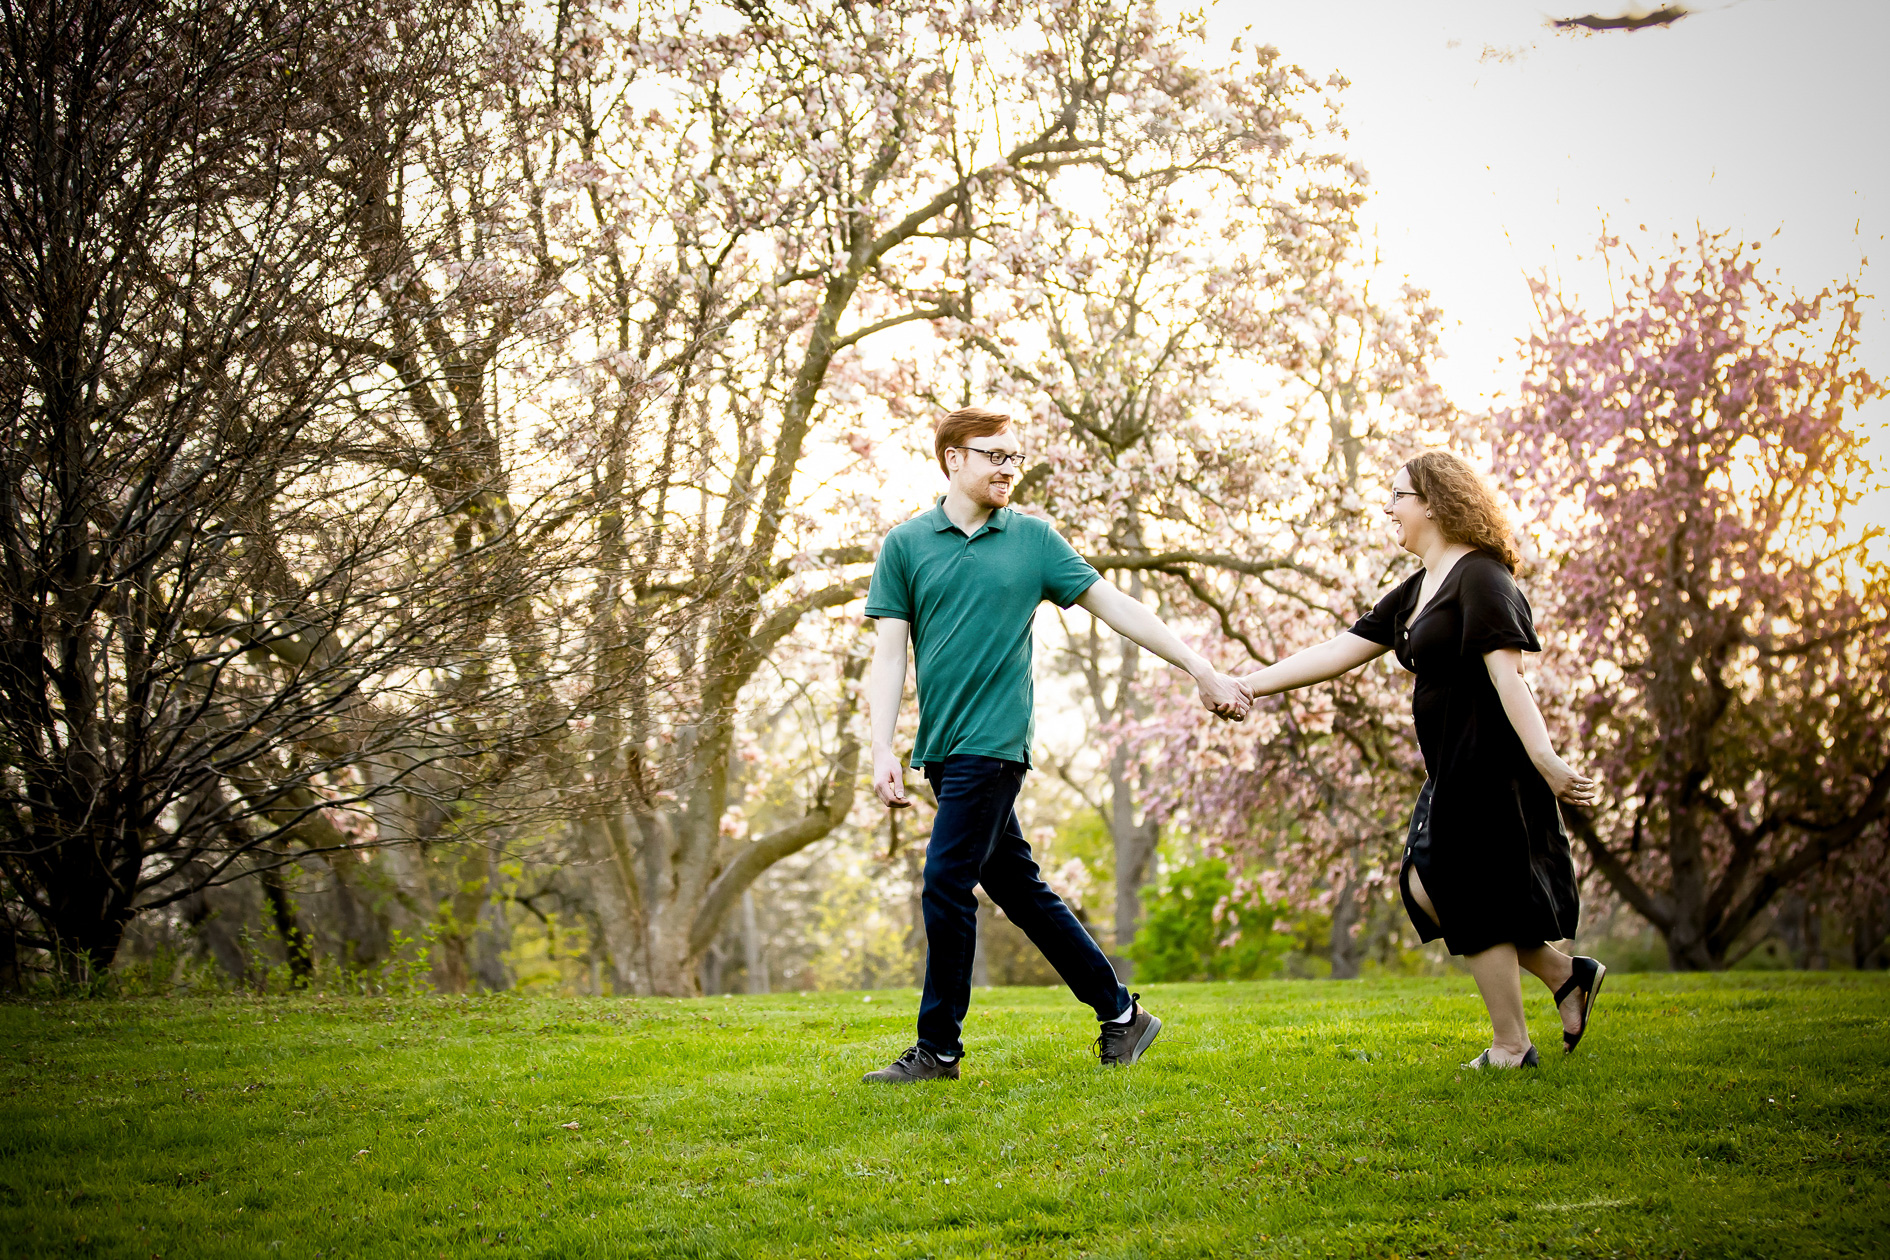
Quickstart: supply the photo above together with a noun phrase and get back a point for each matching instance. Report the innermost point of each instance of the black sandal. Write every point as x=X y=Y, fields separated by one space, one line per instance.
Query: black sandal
x=1586 y=976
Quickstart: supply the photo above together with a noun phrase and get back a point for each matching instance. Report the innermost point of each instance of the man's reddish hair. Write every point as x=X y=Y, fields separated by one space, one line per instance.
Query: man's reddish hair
x=954 y=428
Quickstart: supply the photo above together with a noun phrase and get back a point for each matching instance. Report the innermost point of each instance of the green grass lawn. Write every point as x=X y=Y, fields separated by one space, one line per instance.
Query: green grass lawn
x=1733 y=1115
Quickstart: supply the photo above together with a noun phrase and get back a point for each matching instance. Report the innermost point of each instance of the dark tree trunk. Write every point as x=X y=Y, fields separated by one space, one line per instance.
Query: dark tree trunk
x=1135 y=851
x=1349 y=943
x=87 y=930
x=1870 y=935
x=9 y=959
x=297 y=947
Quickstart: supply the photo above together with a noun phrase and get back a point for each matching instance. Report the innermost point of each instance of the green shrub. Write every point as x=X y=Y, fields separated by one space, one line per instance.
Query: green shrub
x=1180 y=938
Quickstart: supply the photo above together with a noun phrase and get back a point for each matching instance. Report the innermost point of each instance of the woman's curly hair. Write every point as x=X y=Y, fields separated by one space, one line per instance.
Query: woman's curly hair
x=1463 y=505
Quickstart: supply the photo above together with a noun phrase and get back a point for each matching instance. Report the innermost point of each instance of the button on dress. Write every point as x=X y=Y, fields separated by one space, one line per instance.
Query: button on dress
x=1486 y=836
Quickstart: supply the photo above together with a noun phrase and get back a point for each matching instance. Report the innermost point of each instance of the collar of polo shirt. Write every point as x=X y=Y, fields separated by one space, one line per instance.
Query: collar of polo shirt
x=999 y=519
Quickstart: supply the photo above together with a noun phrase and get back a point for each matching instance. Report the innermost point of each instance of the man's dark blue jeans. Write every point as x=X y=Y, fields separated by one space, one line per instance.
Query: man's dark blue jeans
x=976 y=840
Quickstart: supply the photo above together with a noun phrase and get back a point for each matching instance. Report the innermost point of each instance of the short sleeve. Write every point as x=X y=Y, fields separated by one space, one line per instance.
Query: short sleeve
x=1066 y=575
x=891 y=592
x=1380 y=625
x=1495 y=614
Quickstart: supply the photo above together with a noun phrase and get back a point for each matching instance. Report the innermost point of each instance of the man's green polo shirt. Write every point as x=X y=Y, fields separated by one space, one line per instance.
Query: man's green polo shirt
x=970 y=601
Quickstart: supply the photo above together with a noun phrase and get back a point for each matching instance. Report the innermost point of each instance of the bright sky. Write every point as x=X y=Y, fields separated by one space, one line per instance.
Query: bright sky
x=1497 y=146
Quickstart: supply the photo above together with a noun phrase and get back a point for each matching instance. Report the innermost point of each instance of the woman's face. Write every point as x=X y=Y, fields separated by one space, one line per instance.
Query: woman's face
x=1406 y=510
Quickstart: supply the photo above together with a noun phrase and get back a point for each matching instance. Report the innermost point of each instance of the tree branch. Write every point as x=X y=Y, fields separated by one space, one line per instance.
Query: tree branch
x=1169 y=561
x=861 y=334
x=831 y=805
x=784 y=619
x=1645 y=903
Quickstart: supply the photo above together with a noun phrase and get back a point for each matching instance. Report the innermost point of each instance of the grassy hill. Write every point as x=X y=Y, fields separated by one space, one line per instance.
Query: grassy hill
x=1706 y=1116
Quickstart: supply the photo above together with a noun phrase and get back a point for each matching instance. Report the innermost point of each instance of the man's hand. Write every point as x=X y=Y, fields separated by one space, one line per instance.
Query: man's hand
x=1225 y=697
x=889 y=779
x=1130 y=618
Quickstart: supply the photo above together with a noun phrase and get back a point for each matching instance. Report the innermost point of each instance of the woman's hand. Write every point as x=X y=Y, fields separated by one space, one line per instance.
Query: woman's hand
x=1576 y=789
x=1519 y=706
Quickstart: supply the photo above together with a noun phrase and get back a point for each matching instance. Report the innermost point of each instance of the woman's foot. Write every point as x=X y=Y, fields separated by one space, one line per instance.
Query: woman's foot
x=1494 y=1058
x=1575 y=1000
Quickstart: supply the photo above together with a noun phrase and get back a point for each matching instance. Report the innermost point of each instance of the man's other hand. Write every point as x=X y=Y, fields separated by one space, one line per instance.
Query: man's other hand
x=889 y=779
x=1225 y=697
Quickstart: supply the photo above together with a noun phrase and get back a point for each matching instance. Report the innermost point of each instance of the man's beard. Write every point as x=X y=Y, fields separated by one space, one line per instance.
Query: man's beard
x=988 y=495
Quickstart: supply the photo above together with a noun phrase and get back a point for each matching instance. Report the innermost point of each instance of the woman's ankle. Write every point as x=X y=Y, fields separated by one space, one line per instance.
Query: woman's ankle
x=1547 y=964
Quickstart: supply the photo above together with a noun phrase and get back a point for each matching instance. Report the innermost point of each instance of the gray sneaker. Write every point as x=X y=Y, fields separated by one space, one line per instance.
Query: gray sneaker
x=1119 y=1045
x=916 y=1064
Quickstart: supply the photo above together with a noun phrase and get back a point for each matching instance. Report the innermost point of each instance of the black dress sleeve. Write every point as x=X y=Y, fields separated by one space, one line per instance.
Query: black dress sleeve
x=1495 y=614
x=1380 y=625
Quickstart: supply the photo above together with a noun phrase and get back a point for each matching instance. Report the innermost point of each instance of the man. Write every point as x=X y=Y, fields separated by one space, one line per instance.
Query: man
x=961 y=583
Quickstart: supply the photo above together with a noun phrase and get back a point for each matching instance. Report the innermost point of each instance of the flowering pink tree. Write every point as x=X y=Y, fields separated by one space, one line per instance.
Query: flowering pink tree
x=1308 y=798
x=1718 y=648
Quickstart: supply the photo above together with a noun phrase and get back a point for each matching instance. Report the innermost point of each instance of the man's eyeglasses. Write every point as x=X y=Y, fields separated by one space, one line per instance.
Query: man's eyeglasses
x=998 y=458
x=1399 y=494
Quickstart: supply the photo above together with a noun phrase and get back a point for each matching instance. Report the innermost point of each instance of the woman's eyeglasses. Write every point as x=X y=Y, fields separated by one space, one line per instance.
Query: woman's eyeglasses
x=998 y=458
x=1399 y=494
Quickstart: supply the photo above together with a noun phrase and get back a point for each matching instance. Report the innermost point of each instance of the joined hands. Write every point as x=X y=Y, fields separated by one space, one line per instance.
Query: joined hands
x=1225 y=697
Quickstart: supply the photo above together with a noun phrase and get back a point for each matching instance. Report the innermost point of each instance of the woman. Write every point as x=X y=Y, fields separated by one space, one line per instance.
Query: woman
x=1486 y=864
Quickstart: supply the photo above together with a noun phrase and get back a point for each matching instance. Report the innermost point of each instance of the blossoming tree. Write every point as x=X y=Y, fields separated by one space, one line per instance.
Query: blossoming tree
x=1693 y=461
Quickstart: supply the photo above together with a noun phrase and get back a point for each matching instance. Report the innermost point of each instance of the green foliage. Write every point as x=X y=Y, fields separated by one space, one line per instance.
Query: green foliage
x=1720 y=1115
x=1180 y=939
x=1084 y=835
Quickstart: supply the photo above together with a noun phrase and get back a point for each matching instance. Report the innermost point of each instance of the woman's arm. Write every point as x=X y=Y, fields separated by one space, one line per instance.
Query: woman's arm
x=1338 y=655
x=1519 y=704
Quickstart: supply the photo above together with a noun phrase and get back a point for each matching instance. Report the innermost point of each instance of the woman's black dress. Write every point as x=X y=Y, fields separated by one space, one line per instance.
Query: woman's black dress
x=1486 y=837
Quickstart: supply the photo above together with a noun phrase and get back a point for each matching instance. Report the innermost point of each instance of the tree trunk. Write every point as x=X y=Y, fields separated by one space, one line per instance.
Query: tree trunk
x=1870 y=926
x=1799 y=927
x=1347 y=946
x=753 y=958
x=358 y=911
x=490 y=943
x=459 y=920
x=981 y=953
x=87 y=899
x=1135 y=843
x=613 y=891
x=9 y=959
x=297 y=948
x=915 y=908
x=709 y=971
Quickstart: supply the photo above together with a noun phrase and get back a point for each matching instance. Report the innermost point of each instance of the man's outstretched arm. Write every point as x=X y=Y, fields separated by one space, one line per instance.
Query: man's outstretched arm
x=1131 y=619
x=884 y=691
